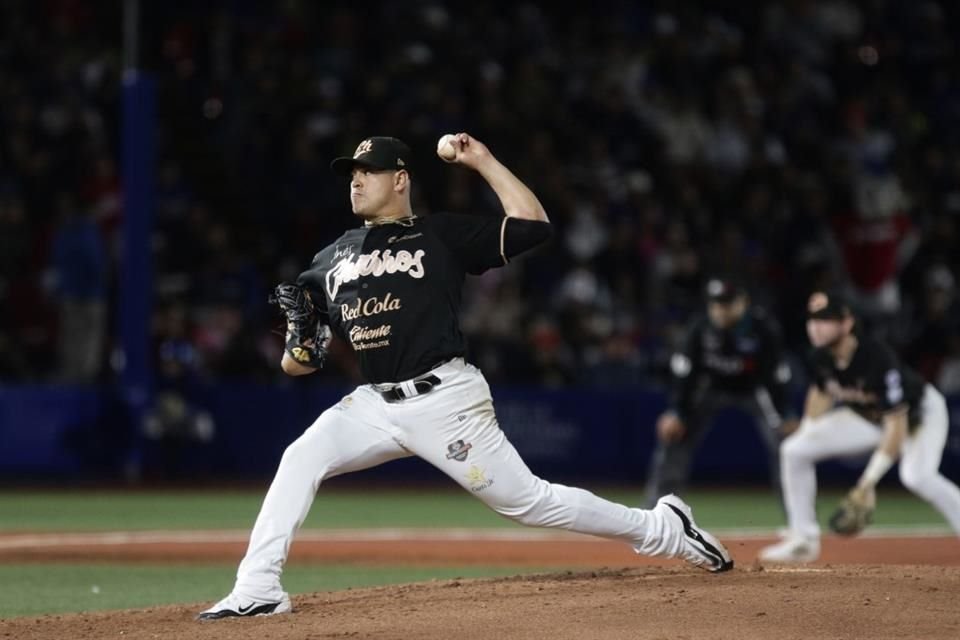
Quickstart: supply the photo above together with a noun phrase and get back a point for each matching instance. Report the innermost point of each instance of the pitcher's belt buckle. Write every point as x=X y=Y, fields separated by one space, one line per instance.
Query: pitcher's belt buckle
x=420 y=386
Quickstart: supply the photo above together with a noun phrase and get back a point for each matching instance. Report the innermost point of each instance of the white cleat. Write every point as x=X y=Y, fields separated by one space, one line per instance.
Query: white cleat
x=234 y=606
x=700 y=548
x=793 y=549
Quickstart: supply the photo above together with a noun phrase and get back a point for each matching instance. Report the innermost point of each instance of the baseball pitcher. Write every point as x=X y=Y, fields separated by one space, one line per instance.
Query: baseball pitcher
x=862 y=399
x=392 y=288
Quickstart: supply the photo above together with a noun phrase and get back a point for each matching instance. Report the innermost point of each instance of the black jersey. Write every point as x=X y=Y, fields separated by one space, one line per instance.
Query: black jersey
x=393 y=290
x=875 y=382
x=737 y=361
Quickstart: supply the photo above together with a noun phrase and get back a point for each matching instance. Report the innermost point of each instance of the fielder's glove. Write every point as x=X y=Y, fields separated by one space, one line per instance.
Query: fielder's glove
x=854 y=513
x=307 y=337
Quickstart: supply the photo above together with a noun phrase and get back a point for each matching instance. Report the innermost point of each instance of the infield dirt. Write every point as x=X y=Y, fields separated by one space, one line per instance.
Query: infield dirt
x=639 y=598
x=840 y=601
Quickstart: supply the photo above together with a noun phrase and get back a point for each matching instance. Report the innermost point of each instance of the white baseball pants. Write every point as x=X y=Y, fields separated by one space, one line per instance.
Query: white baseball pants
x=363 y=430
x=842 y=432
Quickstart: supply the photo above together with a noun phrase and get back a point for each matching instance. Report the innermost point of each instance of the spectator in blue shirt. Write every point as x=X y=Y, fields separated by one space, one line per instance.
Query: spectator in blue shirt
x=79 y=263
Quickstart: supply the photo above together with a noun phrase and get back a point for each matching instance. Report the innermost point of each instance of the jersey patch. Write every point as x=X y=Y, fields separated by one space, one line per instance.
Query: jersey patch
x=458 y=450
x=477 y=478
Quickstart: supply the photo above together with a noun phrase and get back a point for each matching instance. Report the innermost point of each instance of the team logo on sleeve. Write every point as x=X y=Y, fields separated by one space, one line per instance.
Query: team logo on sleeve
x=894 y=387
x=458 y=450
x=680 y=365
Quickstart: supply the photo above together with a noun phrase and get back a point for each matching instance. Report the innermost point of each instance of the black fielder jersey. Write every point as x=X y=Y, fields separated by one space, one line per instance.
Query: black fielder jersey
x=875 y=382
x=737 y=361
x=392 y=291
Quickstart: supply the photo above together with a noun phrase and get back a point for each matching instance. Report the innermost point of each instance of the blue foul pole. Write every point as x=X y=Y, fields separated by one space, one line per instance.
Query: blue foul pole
x=136 y=262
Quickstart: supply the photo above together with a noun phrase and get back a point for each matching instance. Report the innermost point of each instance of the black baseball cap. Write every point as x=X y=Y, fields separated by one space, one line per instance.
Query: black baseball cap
x=378 y=152
x=724 y=289
x=828 y=305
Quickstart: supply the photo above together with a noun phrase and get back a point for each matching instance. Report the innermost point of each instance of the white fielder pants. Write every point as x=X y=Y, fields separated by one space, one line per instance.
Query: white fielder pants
x=842 y=432
x=363 y=430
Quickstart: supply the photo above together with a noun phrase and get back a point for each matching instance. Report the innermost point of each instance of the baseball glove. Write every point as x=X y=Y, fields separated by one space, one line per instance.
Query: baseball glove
x=307 y=338
x=854 y=513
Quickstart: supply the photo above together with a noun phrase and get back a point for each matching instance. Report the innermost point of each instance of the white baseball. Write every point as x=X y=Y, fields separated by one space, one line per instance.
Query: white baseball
x=446 y=147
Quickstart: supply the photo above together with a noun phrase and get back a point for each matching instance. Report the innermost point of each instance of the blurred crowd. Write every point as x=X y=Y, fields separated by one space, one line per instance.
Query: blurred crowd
x=803 y=144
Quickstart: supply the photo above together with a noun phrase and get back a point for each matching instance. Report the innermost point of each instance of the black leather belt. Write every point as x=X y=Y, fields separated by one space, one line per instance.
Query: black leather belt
x=422 y=385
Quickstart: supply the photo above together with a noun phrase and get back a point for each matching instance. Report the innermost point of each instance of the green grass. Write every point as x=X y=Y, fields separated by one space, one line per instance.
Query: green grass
x=111 y=510
x=62 y=588
x=339 y=508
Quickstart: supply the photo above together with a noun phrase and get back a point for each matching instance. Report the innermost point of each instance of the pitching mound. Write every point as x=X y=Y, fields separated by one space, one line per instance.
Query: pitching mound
x=832 y=601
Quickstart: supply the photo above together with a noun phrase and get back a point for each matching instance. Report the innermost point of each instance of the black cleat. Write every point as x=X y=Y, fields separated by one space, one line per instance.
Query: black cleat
x=701 y=548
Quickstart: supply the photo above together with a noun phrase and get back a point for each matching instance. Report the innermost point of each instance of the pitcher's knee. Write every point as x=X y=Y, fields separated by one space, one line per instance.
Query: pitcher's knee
x=300 y=455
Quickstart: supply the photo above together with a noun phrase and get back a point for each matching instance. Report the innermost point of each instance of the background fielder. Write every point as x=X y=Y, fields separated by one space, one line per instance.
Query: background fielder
x=862 y=399
x=391 y=288
x=731 y=357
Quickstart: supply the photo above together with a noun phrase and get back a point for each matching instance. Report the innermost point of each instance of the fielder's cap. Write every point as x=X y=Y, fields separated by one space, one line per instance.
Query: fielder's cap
x=380 y=153
x=724 y=289
x=824 y=305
